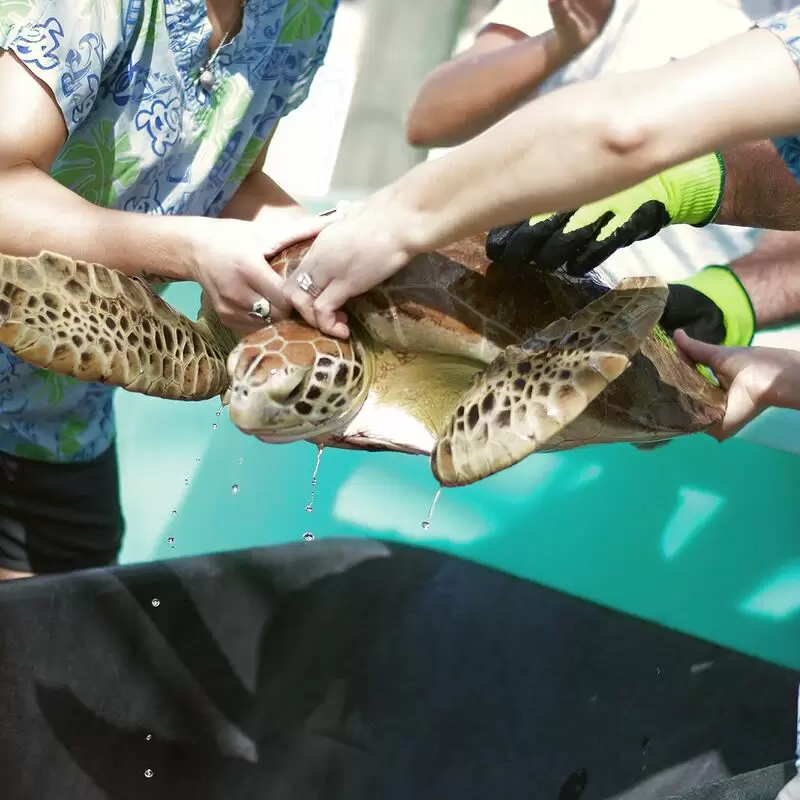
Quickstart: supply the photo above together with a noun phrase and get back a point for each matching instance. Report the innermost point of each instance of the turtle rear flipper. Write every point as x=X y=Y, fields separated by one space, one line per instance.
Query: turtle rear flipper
x=96 y=324
x=530 y=393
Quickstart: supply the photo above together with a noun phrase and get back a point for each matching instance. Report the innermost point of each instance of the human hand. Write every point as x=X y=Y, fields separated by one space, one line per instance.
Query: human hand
x=229 y=259
x=365 y=245
x=578 y=22
x=755 y=377
x=713 y=306
x=583 y=238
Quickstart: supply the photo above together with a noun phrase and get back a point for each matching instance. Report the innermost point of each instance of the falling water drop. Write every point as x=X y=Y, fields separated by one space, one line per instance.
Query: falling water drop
x=155 y=602
x=214 y=426
x=235 y=488
x=149 y=736
x=219 y=410
x=241 y=461
x=185 y=481
x=148 y=773
x=197 y=460
x=426 y=523
x=171 y=541
x=310 y=506
x=174 y=512
x=308 y=536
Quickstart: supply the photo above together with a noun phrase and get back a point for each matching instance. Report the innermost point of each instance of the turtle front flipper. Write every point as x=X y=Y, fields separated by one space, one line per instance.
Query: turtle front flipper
x=98 y=325
x=531 y=392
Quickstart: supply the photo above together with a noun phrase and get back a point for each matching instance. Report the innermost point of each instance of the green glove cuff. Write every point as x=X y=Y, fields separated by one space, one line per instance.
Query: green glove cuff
x=723 y=287
x=695 y=190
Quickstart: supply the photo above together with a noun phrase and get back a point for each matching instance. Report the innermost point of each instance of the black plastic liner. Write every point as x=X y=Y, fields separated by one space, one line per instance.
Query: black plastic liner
x=359 y=670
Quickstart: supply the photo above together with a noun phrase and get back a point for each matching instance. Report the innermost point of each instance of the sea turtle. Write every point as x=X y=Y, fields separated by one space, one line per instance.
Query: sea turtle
x=474 y=364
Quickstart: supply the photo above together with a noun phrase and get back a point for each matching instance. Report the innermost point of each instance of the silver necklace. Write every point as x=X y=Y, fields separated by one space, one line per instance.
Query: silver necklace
x=206 y=77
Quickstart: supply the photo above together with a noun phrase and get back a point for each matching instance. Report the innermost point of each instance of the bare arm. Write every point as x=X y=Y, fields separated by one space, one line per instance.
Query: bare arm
x=760 y=192
x=465 y=96
x=259 y=198
x=771 y=276
x=39 y=213
x=589 y=140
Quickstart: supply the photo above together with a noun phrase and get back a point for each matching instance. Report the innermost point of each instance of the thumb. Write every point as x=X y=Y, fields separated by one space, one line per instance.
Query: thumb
x=711 y=355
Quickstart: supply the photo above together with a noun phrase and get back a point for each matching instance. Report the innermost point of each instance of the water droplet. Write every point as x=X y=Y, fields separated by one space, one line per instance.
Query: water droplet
x=197 y=460
x=426 y=523
x=659 y=672
x=171 y=541
x=235 y=488
x=241 y=461
x=155 y=602
x=141 y=371
x=219 y=410
x=214 y=426
x=148 y=773
x=185 y=481
x=310 y=506
x=149 y=736
x=174 y=513
x=308 y=536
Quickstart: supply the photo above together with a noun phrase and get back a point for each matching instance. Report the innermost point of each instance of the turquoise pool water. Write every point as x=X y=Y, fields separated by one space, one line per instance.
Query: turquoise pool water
x=700 y=536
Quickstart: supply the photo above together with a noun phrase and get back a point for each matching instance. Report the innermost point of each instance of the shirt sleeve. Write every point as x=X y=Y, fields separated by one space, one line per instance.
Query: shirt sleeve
x=530 y=17
x=786 y=26
x=67 y=45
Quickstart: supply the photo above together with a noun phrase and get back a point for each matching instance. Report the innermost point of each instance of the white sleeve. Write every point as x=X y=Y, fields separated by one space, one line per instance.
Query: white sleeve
x=530 y=17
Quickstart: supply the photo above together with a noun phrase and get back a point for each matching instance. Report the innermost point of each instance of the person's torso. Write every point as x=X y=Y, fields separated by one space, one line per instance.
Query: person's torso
x=153 y=142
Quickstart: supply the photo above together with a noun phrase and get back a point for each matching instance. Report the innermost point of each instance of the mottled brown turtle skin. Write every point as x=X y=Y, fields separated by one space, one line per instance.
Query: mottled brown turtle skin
x=477 y=365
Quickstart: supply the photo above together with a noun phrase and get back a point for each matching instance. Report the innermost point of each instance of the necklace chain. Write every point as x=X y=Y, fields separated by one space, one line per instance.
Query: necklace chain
x=206 y=75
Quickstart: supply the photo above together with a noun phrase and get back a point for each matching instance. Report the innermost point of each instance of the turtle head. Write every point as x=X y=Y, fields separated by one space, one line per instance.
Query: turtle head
x=291 y=382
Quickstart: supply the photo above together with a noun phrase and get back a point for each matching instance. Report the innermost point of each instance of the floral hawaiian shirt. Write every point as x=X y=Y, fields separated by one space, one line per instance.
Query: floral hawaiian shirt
x=144 y=136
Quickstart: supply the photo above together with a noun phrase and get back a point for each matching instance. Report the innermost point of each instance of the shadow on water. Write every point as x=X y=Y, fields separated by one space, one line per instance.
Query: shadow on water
x=697 y=535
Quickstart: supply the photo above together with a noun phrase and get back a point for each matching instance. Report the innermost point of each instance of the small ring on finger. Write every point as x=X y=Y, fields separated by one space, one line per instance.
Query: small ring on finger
x=306 y=283
x=261 y=310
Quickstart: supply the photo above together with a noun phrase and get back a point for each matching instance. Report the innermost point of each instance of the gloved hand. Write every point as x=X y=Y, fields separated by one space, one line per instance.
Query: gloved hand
x=582 y=239
x=712 y=306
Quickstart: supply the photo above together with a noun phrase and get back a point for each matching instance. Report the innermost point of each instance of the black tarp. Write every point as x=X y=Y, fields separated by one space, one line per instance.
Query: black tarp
x=359 y=670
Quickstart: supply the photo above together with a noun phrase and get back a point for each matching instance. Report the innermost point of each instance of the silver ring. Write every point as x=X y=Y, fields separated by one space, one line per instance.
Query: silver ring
x=261 y=309
x=306 y=283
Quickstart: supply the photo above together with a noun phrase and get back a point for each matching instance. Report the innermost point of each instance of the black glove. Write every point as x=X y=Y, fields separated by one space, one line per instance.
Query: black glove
x=582 y=239
x=712 y=306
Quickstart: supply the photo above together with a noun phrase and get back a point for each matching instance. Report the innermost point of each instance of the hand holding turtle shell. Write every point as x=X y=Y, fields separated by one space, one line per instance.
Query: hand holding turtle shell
x=366 y=244
x=755 y=377
x=229 y=259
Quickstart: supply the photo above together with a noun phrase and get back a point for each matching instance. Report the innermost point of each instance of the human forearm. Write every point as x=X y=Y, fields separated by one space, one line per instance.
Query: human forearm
x=464 y=97
x=259 y=198
x=771 y=276
x=54 y=218
x=587 y=141
x=760 y=192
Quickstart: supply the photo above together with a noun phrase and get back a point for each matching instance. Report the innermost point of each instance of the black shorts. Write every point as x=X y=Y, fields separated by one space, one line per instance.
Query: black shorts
x=59 y=517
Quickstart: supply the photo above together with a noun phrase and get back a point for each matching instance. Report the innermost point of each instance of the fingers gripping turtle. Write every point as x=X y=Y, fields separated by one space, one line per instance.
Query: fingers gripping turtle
x=96 y=324
x=532 y=392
